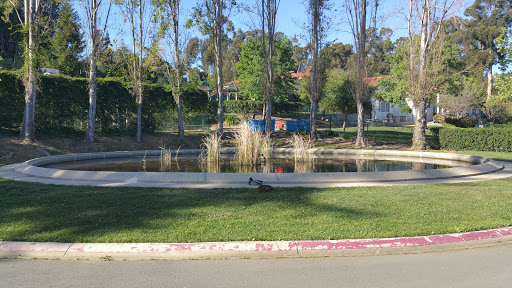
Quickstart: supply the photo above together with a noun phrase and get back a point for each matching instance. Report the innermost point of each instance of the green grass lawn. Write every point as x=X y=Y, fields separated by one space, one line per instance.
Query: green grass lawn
x=37 y=212
x=384 y=134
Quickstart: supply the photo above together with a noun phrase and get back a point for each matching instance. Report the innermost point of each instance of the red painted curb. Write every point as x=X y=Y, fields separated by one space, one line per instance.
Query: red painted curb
x=405 y=241
x=205 y=248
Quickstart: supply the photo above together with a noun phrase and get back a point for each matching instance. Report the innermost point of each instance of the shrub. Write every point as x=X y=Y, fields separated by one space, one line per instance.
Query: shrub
x=231 y=119
x=243 y=107
x=468 y=122
x=438 y=118
x=479 y=139
x=462 y=122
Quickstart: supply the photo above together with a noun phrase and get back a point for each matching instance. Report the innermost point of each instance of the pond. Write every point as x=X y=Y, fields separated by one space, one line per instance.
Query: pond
x=278 y=164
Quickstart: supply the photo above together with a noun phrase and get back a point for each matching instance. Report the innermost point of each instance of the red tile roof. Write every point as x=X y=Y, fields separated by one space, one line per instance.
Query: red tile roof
x=372 y=81
x=300 y=75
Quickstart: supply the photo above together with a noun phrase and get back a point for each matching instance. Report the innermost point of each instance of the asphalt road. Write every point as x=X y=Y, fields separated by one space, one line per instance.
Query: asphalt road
x=476 y=267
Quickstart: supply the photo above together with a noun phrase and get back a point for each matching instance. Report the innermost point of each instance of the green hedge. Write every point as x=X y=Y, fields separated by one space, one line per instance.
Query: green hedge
x=62 y=105
x=479 y=139
x=462 y=122
x=12 y=100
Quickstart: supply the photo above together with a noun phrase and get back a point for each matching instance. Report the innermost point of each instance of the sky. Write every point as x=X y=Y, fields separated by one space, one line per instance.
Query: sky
x=289 y=16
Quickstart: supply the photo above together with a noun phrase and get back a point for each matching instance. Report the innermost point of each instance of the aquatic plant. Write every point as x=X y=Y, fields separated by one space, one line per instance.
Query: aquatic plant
x=252 y=146
x=212 y=143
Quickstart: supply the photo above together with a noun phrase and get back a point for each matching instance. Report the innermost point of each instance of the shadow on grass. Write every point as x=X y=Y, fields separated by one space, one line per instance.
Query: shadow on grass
x=37 y=212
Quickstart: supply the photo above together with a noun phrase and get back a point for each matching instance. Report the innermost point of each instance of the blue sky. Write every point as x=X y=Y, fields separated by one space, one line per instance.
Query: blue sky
x=290 y=13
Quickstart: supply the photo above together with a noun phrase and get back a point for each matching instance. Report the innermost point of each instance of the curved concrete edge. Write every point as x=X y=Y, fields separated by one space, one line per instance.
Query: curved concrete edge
x=29 y=171
x=251 y=249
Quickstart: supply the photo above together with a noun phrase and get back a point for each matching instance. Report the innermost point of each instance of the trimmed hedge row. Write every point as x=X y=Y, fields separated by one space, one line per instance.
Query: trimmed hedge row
x=62 y=105
x=464 y=122
x=479 y=139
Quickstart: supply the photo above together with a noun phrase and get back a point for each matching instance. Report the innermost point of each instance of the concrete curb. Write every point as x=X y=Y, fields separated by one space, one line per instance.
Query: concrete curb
x=483 y=169
x=250 y=249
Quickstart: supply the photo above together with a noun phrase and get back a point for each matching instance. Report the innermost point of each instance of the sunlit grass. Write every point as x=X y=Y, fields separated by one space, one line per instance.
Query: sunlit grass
x=37 y=212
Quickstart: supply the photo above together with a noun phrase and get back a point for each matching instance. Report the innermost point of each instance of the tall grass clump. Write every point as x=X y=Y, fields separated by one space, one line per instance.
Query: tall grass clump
x=303 y=157
x=252 y=147
x=212 y=143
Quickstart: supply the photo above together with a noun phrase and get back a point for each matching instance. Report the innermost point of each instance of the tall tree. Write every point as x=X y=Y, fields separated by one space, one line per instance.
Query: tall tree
x=210 y=18
x=134 y=11
x=251 y=67
x=268 y=23
x=337 y=55
x=66 y=42
x=338 y=94
x=170 y=23
x=92 y=11
x=431 y=15
x=301 y=54
x=31 y=11
x=379 y=46
x=359 y=19
x=489 y=18
x=316 y=10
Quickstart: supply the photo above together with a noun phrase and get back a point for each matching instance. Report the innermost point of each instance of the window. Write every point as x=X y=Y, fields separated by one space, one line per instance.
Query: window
x=384 y=106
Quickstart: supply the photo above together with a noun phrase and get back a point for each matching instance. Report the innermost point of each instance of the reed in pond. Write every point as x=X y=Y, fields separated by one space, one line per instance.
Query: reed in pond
x=252 y=146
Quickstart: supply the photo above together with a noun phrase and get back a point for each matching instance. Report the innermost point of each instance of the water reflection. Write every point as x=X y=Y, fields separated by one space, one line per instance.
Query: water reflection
x=228 y=165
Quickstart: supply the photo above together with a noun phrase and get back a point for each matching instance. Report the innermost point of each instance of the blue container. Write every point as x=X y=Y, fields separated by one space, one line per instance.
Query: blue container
x=259 y=125
x=305 y=125
x=292 y=125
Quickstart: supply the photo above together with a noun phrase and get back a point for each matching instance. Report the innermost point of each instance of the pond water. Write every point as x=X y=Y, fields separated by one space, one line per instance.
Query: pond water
x=275 y=165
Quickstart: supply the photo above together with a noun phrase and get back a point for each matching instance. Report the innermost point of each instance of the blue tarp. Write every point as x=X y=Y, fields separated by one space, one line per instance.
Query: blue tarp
x=259 y=125
x=298 y=125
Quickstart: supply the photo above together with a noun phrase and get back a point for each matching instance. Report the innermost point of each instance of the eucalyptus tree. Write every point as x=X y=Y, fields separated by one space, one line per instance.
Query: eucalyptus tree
x=170 y=27
x=489 y=19
x=210 y=18
x=28 y=13
x=268 y=23
x=430 y=15
x=316 y=10
x=92 y=11
x=359 y=20
x=134 y=12
x=38 y=21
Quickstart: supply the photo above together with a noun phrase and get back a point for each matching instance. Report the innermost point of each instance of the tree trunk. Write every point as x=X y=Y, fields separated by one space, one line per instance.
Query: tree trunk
x=489 y=82
x=28 y=128
x=140 y=88
x=312 y=118
x=360 y=124
x=218 y=63
x=139 y=122
x=419 y=141
x=315 y=97
x=93 y=92
x=360 y=89
x=271 y=14
x=345 y=118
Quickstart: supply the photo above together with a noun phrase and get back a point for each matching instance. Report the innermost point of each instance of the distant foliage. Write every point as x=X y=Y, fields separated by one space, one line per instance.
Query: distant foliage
x=62 y=104
x=479 y=139
x=439 y=118
x=246 y=107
